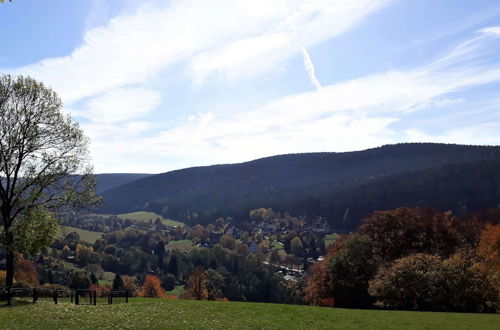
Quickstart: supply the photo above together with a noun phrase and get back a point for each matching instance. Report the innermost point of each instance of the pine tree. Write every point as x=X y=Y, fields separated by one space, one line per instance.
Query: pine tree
x=118 y=282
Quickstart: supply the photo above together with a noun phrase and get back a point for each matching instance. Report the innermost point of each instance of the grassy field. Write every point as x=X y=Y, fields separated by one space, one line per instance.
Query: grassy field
x=144 y=313
x=177 y=291
x=148 y=216
x=85 y=235
x=330 y=238
x=108 y=277
x=182 y=245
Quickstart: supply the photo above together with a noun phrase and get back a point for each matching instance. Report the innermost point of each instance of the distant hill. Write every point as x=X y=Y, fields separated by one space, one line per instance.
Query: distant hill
x=108 y=181
x=340 y=186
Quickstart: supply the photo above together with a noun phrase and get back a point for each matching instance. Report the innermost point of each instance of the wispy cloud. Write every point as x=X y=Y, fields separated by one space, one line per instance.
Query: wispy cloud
x=354 y=114
x=111 y=81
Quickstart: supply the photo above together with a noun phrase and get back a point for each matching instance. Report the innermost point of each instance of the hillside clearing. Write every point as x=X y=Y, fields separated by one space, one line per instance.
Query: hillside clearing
x=85 y=235
x=147 y=217
x=155 y=313
x=181 y=245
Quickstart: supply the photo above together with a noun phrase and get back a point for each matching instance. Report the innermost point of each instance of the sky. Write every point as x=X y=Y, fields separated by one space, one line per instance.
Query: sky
x=161 y=85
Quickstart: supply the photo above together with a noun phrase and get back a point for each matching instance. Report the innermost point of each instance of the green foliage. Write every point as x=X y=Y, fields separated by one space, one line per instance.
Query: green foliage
x=118 y=282
x=425 y=282
x=351 y=268
x=35 y=229
x=214 y=282
x=79 y=281
x=296 y=246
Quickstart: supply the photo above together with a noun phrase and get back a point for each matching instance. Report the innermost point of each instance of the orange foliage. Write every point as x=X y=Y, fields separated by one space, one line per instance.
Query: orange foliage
x=25 y=271
x=152 y=288
x=102 y=291
x=319 y=289
x=3 y=274
x=489 y=250
x=196 y=284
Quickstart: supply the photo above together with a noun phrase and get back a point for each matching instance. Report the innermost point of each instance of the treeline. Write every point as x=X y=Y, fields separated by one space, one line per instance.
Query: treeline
x=413 y=259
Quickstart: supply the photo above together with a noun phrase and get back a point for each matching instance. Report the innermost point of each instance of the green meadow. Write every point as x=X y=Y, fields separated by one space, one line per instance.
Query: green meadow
x=148 y=313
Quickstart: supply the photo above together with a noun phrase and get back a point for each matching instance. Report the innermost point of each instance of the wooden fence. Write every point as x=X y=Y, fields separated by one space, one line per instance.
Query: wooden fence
x=77 y=297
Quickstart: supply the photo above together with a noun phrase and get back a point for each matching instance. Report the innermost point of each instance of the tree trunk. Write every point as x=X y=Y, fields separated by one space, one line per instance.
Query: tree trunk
x=9 y=242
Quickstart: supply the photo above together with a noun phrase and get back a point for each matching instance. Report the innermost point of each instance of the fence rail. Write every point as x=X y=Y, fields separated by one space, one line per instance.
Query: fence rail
x=78 y=297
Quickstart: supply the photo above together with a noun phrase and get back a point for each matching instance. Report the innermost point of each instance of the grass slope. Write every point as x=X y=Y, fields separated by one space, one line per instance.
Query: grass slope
x=85 y=235
x=148 y=216
x=184 y=245
x=186 y=314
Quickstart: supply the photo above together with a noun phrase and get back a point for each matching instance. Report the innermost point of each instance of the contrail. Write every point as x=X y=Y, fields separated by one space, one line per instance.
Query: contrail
x=308 y=64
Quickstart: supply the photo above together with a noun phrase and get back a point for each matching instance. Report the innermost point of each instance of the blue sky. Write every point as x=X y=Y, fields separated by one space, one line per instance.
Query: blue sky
x=161 y=85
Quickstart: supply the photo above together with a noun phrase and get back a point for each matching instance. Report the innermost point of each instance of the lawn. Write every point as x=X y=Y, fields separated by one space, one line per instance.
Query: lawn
x=144 y=313
x=148 y=216
x=85 y=235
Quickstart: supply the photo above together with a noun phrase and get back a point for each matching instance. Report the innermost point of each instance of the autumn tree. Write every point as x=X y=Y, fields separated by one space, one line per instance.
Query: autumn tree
x=130 y=284
x=227 y=241
x=43 y=165
x=196 y=284
x=152 y=288
x=403 y=231
x=488 y=250
x=25 y=271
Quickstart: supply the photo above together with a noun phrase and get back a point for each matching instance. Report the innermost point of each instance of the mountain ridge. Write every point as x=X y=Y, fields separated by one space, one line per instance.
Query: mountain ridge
x=202 y=193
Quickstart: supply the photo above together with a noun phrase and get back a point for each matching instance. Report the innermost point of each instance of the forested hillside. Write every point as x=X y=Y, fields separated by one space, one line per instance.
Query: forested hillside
x=112 y=180
x=343 y=187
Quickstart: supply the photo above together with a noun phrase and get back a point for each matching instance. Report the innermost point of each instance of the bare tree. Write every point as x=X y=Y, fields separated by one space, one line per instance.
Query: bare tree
x=44 y=166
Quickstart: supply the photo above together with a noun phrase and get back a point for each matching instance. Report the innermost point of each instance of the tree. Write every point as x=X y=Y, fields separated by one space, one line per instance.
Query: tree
x=93 y=279
x=296 y=246
x=425 y=282
x=214 y=282
x=79 y=281
x=196 y=284
x=274 y=258
x=44 y=166
x=118 y=282
x=488 y=250
x=227 y=241
x=397 y=233
x=25 y=271
x=152 y=288
x=352 y=267
x=130 y=284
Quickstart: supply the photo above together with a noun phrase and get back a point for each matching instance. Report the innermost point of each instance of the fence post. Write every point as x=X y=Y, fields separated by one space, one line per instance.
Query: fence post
x=55 y=296
x=95 y=297
x=35 y=295
x=77 y=298
x=126 y=296
x=71 y=296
